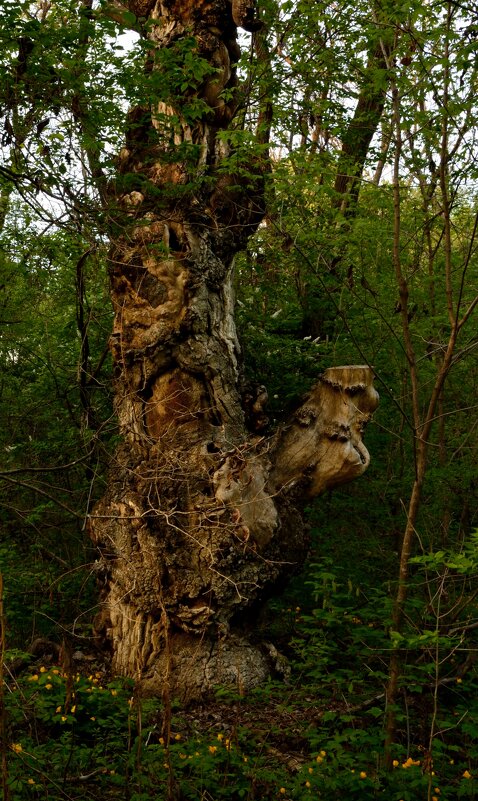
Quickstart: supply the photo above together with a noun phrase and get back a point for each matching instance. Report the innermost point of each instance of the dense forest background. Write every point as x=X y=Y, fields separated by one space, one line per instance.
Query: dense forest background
x=367 y=255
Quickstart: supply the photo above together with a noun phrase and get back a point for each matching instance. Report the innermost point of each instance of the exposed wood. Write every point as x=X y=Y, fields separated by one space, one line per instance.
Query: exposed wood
x=322 y=446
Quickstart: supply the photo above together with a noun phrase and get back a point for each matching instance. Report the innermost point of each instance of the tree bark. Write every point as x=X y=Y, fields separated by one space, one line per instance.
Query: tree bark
x=200 y=516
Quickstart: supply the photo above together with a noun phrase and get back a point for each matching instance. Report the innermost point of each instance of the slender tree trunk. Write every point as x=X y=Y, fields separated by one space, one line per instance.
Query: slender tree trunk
x=423 y=420
x=199 y=517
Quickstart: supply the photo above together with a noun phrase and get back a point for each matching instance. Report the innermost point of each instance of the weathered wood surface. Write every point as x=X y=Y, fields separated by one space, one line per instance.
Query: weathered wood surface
x=201 y=515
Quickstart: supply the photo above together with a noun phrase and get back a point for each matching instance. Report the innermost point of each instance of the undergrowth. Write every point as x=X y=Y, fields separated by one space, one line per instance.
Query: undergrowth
x=79 y=735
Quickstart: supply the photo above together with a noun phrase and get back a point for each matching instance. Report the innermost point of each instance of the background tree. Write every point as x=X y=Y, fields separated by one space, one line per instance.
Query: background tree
x=54 y=393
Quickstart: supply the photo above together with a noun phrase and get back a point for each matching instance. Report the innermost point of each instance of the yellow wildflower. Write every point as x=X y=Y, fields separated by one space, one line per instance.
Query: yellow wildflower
x=246 y=759
x=58 y=710
x=17 y=747
x=73 y=709
x=409 y=762
x=93 y=718
x=114 y=692
x=55 y=672
x=319 y=759
x=459 y=681
x=34 y=677
x=48 y=686
x=323 y=753
x=212 y=749
x=307 y=784
x=161 y=740
x=434 y=798
x=395 y=763
x=30 y=781
x=282 y=790
x=362 y=774
x=466 y=774
x=311 y=770
x=63 y=718
x=42 y=669
x=437 y=790
x=177 y=736
x=220 y=736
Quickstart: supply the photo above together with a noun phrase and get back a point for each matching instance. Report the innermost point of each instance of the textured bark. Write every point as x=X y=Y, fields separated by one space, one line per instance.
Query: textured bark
x=199 y=519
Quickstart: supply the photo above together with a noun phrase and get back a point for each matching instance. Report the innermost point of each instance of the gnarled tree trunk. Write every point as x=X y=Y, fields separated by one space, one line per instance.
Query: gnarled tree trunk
x=200 y=515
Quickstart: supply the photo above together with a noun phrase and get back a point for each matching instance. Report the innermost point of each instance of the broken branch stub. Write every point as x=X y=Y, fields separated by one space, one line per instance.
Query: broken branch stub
x=322 y=447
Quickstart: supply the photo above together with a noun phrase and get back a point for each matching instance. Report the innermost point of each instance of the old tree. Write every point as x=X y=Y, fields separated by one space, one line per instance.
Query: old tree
x=201 y=516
